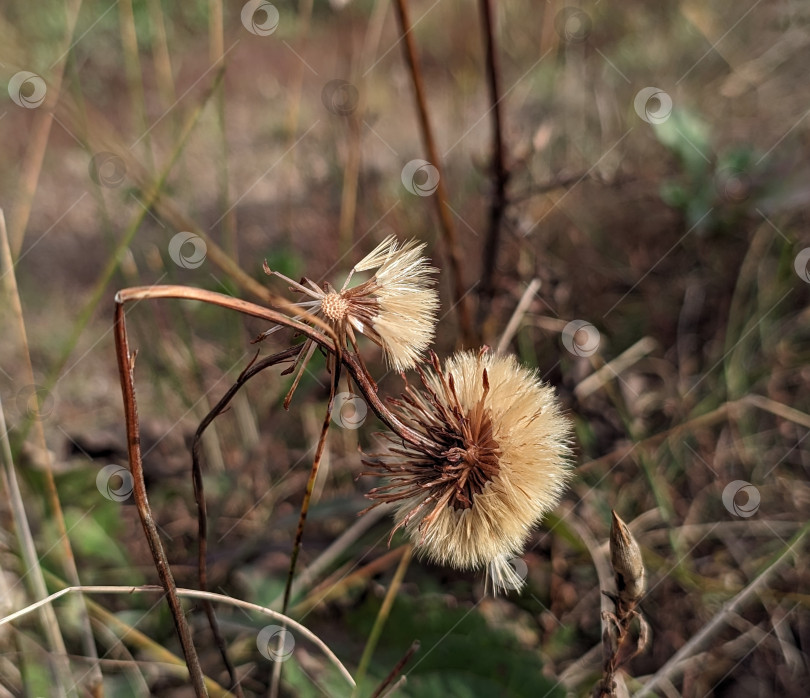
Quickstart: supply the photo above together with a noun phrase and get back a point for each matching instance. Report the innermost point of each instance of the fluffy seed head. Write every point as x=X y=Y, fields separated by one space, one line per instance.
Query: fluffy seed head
x=494 y=460
x=396 y=308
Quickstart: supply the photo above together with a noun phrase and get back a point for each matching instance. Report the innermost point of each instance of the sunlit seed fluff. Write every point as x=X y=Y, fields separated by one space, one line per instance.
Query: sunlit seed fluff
x=493 y=462
x=396 y=308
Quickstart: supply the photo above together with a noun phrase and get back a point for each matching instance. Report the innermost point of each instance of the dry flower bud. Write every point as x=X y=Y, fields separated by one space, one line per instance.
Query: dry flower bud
x=625 y=556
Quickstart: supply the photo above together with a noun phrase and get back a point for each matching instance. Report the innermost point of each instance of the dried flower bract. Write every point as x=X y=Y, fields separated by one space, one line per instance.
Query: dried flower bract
x=493 y=461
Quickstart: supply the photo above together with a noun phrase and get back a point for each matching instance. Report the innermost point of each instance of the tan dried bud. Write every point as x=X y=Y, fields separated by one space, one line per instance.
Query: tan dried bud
x=625 y=556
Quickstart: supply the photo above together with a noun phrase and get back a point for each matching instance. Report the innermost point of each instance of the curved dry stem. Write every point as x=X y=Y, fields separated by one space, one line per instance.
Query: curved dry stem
x=191 y=594
x=326 y=340
x=126 y=366
x=126 y=370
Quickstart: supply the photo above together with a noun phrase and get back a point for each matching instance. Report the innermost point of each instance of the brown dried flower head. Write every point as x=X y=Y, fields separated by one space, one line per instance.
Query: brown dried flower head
x=492 y=463
x=396 y=308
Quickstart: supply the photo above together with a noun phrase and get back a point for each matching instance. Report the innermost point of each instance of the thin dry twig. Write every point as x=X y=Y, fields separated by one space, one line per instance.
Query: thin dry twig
x=500 y=173
x=336 y=549
x=451 y=246
x=397 y=670
x=313 y=475
x=28 y=548
x=382 y=614
x=615 y=368
x=302 y=516
x=199 y=495
x=39 y=136
x=699 y=640
x=514 y=322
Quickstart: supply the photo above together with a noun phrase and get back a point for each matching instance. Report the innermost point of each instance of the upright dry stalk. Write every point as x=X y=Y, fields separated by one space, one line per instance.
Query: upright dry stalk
x=452 y=251
x=500 y=174
x=39 y=134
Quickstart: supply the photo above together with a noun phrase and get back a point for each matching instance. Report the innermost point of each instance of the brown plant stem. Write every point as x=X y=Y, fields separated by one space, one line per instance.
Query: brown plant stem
x=302 y=517
x=126 y=370
x=313 y=474
x=500 y=174
x=325 y=339
x=199 y=496
x=397 y=670
x=452 y=251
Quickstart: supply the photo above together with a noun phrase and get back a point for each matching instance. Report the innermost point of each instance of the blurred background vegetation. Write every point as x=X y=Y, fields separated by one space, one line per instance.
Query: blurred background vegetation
x=673 y=229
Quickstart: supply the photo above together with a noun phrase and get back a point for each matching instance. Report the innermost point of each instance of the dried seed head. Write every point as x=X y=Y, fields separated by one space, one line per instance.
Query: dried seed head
x=628 y=565
x=396 y=308
x=335 y=306
x=493 y=462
